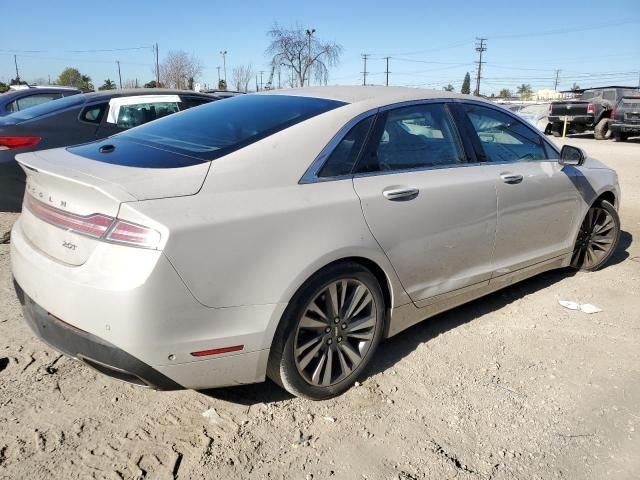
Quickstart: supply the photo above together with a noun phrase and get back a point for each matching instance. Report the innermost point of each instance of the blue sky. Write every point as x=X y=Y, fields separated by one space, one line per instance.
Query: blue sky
x=431 y=43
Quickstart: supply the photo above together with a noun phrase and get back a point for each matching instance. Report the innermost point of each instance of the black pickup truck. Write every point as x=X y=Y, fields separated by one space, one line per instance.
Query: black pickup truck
x=592 y=111
x=625 y=118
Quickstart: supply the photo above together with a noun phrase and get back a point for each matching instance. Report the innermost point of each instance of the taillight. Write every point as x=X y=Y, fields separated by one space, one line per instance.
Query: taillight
x=10 y=143
x=132 y=234
x=591 y=108
x=96 y=225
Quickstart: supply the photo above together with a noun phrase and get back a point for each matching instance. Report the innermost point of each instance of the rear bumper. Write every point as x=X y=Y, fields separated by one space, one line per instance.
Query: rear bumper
x=586 y=120
x=625 y=127
x=132 y=307
x=90 y=349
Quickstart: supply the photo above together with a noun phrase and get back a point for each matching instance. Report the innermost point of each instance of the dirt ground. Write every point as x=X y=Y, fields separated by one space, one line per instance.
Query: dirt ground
x=509 y=386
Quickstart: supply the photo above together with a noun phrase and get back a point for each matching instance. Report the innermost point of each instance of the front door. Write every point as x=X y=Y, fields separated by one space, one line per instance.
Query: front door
x=432 y=212
x=537 y=199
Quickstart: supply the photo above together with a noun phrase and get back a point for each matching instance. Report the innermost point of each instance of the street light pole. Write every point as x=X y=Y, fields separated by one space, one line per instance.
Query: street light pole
x=119 y=74
x=224 y=63
x=310 y=32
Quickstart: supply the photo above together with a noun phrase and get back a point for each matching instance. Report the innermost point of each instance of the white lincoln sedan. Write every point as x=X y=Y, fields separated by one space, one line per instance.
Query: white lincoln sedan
x=287 y=233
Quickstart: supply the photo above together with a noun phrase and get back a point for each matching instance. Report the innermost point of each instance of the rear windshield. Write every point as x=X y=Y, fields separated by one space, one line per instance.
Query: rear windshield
x=46 y=108
x=590 y=94
x=218 y=128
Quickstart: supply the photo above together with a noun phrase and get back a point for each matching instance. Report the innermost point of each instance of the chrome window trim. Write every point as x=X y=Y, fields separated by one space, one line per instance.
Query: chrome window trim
x=311 y=174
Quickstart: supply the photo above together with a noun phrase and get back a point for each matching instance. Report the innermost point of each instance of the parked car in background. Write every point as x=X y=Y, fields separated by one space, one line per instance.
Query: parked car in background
x=223 y=93
x=79 y=119
x=25 y=96
x=287 y=233
x=537 y=115
x=592 y=111
x=625 y=119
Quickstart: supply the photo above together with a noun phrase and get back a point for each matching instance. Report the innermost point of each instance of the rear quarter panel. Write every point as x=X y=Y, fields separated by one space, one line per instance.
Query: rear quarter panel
x=253 y=235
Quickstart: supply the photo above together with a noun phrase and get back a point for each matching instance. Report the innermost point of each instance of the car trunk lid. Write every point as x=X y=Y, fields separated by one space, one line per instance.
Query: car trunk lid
x=68 y=196
x=569 y=108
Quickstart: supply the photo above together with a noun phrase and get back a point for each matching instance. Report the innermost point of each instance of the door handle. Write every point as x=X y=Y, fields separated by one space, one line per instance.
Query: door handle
x=400 y=194
x=512 y=178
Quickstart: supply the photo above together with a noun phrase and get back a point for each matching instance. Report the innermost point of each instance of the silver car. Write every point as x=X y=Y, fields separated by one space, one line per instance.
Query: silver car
x=287 y=233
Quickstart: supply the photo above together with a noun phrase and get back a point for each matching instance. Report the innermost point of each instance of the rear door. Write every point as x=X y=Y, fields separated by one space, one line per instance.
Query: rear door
x=537 y=197
x=432 y=212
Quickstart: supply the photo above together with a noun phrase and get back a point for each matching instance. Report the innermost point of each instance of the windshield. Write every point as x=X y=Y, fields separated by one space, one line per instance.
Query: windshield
x=590 y=94
x=46 y=108
x=219 y=128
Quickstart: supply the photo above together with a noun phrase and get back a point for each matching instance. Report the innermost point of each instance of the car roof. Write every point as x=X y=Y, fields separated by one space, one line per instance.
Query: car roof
x=21 y=92
x=130 y=92
x=369 y=96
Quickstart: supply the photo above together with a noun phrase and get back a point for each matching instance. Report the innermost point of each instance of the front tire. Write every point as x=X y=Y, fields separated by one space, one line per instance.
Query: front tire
x=598 y=237
x=328 y=333
x=620 y=137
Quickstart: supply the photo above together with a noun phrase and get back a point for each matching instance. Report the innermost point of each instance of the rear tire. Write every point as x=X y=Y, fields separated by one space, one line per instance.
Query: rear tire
x=601 y=130
x=598 y=237
x=328 y=333
x=556 y=129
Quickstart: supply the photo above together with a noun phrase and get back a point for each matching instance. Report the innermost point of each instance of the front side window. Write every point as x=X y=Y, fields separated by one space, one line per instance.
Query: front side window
x=344 y=156
x=131 y=116
x=504 y=138
x=413 y=137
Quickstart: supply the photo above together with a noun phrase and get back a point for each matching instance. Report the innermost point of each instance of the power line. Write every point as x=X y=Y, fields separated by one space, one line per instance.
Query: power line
x=480 y=48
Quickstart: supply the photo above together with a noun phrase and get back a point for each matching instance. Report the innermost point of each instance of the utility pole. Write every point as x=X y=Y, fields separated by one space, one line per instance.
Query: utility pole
x=218 y=67
x=15 y=60
x=157 y=67
x=119 y=74
x=279 y=87
x=257 y=84
x=387 y=71
x=261 y=72
x=555 y=87
x=364 y=71
x=310 y=33
x=224 y=63
x=480 y=48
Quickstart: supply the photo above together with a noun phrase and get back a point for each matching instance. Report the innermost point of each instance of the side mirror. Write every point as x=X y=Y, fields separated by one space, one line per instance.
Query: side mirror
x=570 y=155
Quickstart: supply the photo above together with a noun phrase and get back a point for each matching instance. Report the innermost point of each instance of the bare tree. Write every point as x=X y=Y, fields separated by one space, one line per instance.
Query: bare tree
x=179 y=69
x=304 y=53
x=241 y=76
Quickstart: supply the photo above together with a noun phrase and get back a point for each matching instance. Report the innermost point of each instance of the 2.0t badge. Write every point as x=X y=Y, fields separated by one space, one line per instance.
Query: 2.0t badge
x=69 y=245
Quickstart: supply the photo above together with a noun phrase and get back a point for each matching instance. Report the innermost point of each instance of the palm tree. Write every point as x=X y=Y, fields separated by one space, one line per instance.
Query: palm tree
x=525 y=91
x=448 y=88
x=108 y=85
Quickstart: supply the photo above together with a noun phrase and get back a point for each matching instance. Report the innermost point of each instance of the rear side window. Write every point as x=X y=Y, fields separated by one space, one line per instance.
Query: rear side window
x=504 y=138
x=48 y=107
x=344 y=156
x=131 y=116
x=221 y=127
x=93 y=113
x=413 y=137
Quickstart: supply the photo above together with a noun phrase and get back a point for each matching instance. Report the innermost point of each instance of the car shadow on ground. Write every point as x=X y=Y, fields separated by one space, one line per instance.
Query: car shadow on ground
x=393 y=350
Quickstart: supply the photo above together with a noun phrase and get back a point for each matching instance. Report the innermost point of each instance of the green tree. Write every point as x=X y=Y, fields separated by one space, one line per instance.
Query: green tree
x=466 y=84
x=525 y=91
x=504 y=93
x=3 y=87
x=448 y=88
x=151 y=84
x=108 y=85
x=222 y=85
x=17 y=81
x=71 y=77
x=575 y=87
